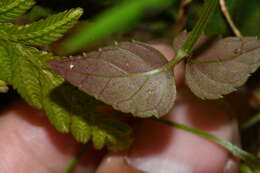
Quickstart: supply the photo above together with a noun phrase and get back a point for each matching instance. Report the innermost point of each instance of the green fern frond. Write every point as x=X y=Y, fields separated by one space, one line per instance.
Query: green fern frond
x=99 y=139
x=10 y=9
x=67 y=108
x=59 y=117
x=43 y=31
x=3 y=87
x=116 y=137
x=5 y=63
x=89 y=124
x=79 y=125
x=25 y=68
x=25 y=75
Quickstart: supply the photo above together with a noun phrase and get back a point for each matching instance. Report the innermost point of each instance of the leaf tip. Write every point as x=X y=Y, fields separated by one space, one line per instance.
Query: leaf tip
x=78 y=11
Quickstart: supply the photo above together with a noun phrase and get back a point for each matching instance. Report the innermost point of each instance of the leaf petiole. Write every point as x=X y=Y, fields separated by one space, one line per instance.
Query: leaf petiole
x=207 y=11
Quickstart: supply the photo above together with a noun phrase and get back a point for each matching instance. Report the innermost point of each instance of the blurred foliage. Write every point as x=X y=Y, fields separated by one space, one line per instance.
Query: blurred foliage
x=156 y=23
x=92 y=7
x=111 y=21
x=246 y=15
x=38 y=12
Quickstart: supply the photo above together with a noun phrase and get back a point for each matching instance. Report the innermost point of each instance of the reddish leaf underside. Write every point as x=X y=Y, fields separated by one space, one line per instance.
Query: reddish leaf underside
x=219 y=66
x=143 y=96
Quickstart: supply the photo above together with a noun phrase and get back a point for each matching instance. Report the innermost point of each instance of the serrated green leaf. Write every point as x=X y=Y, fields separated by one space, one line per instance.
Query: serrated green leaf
x=25 y=68
x=43 y=31
x=78 y=126
x=10 y=9
x=99 y=139
x=3 y=87
x=219 y=66
x=59 y=117
x=5 y=63
x=67 y=108
x=88 y=123
x=26 y=73
x=20 y=72
x=115 y=133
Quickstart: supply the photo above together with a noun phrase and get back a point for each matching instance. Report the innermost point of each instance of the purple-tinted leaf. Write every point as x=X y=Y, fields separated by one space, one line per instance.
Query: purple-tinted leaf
x=143 y=96
x=219 y=66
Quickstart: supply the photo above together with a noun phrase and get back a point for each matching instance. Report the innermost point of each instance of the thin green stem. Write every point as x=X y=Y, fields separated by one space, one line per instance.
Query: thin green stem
x=251 y=160
x=76 y=159
x=207 y=11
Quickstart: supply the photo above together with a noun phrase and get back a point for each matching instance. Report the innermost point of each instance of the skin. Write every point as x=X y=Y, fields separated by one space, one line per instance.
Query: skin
x=29 y=144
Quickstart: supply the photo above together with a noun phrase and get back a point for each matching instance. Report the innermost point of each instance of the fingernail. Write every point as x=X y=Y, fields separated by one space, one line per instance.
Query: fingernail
x=159 y=165
x=116 y=163
x=231 y=166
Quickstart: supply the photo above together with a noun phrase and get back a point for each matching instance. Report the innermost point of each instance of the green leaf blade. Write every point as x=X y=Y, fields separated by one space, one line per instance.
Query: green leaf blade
x=59 y=117
x=3 y=87
x=78 y=126
x=11 y=9
x=22 y=74
x=68 y=109
x=43 y=31
x=5 y=62
x=29 y=76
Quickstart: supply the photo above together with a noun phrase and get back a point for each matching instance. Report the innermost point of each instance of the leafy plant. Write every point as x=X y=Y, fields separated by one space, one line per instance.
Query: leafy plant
x=11 y=9
x=25 y=68
x=205 y=61
x=101 y=74
x=131 y=76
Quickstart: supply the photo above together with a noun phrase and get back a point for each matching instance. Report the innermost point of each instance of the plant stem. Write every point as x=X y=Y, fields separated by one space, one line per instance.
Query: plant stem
x=185 y=51
x=76 y=159
x=249 y=159
x=207 y=11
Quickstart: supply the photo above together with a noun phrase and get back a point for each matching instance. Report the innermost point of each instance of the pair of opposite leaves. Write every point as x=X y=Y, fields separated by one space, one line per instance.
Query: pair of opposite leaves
x=217 y=67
